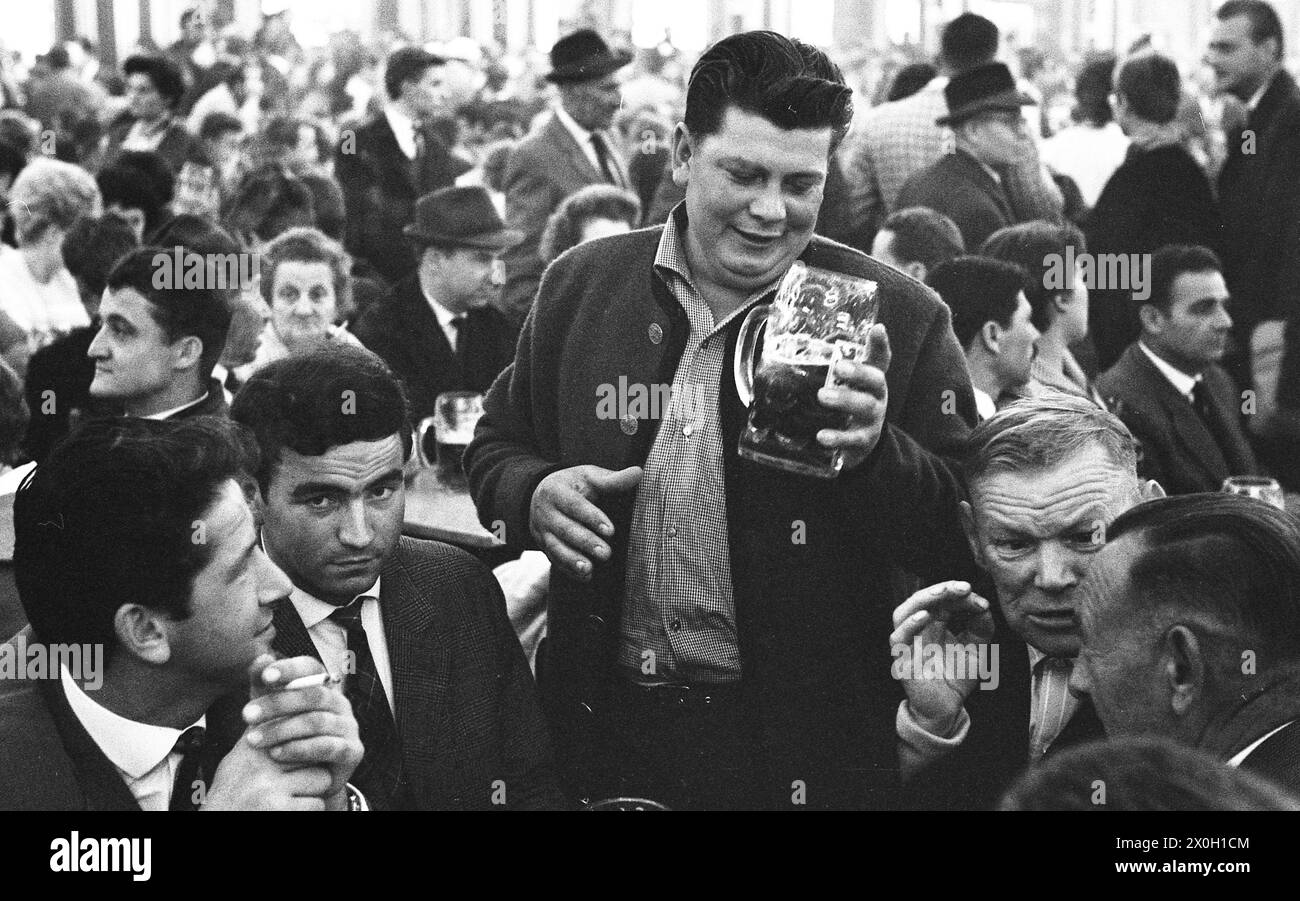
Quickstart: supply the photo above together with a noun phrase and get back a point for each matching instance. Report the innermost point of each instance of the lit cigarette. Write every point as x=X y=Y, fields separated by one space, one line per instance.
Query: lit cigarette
x=313 y=681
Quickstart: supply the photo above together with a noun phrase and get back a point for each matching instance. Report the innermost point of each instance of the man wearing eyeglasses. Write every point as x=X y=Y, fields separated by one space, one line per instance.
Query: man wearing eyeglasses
x=984 y=112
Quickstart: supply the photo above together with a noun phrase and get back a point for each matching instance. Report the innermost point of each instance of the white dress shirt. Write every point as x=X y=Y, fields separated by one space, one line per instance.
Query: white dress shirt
x=165 y=414
x=403 y=127
x=1183 y=383
x=1240 y=757
x=985 y=405
x=445 y=319
x=583 y=137
x=331 y=639
x=143 y=754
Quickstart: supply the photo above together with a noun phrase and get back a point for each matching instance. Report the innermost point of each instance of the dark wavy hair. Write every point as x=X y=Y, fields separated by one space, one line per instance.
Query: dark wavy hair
x=323 y=398
x=789 y=83
x=564 y=228
x=164 y=74
x=108 y=519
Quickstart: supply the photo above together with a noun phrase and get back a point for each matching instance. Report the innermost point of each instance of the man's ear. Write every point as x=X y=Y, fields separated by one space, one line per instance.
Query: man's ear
x=968 y=526
x=683 y=152
x=990 y=335
x=186 y=352
x=141 y=633
x=1151 y=317
x=1182 y=668
x=1152 y=490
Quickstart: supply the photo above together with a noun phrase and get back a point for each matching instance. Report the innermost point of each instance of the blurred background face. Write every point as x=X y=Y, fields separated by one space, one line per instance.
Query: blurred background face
x=1036 y=532
x=461 y=279
x=602 y=228
x=142 y=98
x=426 y=95
x=1000 y=137
x=1194 y=333
x=1238 y=63
x=592 y=104
x=303 y=302
x=330 y=521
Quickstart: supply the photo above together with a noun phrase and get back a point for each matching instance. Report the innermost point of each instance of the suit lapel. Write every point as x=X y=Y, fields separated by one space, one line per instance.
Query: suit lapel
x=973 y=172
x=390 y=153
x=566 y=148
x=441 y=364
x=291 y=637
x=1185 y=424
x=421 y=669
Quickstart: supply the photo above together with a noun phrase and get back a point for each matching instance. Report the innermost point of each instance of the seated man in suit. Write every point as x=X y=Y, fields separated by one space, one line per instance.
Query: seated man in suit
x=1168 y=387
x=437 y=329
x=156 y=347
x=158 y=634
x=992 y=320
x=1046 y=477
x=446 y=706
x=984 y=111
x=1190 y=623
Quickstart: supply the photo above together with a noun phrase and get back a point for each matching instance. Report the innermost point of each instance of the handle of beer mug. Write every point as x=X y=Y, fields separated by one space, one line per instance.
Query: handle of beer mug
x=744 y=364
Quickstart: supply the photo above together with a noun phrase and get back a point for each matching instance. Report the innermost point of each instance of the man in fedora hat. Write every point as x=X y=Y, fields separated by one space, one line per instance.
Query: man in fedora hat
x=984 y=112
x=390 y=161
x=570 y=151
x=437 y=328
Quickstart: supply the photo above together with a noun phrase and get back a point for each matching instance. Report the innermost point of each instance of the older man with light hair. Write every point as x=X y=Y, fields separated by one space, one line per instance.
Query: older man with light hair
x=986 y=667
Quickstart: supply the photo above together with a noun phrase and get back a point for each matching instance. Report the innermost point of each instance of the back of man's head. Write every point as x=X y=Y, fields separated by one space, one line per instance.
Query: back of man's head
x=789 y=83
x=1045 y=432
x=1037 y=247
x=1151 y=86
x=1226 y=566
x=921 y=235
x=109 y=519
x=91 y=249
x=1171 y=261
x=977 y=290
x=318 y=400
x=128 y=188
x=179 y=311
x=967 y=41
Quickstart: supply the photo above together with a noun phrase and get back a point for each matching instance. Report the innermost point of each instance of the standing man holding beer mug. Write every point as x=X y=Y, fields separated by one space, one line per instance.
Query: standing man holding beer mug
x=713 y=614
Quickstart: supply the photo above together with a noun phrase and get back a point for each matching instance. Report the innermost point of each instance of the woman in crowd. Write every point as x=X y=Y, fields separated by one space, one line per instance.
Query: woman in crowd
x=154 y=88
x=305 y=283
x=38 y=296
x=593 y=212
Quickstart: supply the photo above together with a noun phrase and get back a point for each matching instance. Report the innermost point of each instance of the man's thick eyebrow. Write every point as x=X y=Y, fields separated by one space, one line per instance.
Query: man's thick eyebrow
x=750 y=164
x=310 y=488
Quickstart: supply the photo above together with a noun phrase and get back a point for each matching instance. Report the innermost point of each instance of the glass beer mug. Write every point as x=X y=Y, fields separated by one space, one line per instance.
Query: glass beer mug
x=1258 y=487
x=817 y=319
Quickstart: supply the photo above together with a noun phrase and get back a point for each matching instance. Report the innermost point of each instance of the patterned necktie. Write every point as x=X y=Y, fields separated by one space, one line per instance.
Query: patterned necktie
x=380 y=774
x=606 y=164
x=1204 y=406
x=189 y=775
x=1055 y=704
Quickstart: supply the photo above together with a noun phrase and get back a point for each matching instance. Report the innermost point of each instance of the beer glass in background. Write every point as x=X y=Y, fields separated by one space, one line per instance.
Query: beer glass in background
x=455 y=414
x=818 y=318
x=1258 y=487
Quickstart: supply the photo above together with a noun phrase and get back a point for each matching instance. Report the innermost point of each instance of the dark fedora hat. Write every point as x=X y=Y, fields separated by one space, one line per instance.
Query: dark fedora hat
x=584 y=56
x=460 y=217
x=987 y=87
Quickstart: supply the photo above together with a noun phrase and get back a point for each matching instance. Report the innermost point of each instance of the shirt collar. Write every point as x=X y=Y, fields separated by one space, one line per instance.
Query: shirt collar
x=403 y=127
x=1259 y=94
x=580 y=134
x=134 y=748
x=445 y=316
x=165 y=414
x=985 y=405
x=1181 y=381
x=670 y=259
x=313 y=611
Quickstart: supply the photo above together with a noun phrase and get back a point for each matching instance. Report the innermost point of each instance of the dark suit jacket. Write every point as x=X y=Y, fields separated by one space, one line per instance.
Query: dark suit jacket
x=214 y=404
x=380 y=188
x=50 y=762
x=467 y=709
x=996 y=750
x=402 y=328
x=813 y=619
x=958 y=187
x=177 y=147
x=1178 y=450
x=1278 y=758
x=545 y=167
